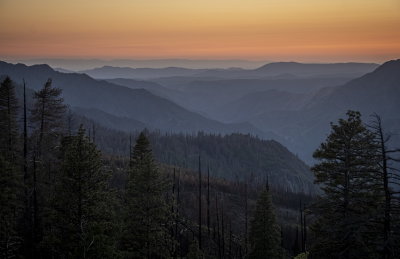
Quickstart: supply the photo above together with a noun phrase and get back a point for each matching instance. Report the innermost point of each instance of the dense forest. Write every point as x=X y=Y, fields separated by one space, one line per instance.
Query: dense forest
x=67 y=192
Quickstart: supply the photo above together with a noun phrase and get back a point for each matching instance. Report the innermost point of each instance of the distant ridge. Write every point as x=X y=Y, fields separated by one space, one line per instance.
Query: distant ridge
x=278 y=69
x=80 y=90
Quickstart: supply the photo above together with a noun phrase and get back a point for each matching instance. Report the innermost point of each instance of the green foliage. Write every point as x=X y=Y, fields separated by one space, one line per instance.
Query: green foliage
x=82 y=213
x=145 y=233
x=264 y=233
x=347 y=171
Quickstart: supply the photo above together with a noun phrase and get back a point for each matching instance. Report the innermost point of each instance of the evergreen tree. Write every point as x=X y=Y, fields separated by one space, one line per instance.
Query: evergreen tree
x=347 y=171
x=82 y=217
x=8 y=118
x=264 y=233
x=10 y=177
x=47 y=121
x=146 y=232
x=47 y=115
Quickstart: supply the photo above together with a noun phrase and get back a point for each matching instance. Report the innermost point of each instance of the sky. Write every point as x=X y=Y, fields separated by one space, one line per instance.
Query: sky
x=279 y=30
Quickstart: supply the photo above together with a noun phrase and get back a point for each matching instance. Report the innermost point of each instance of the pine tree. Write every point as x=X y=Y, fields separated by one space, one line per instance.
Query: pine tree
x=10 y=177
x=47 y=121
x=146 y=232
x=82 y=207
x=8 y=118
x=347 y=171
x=47 y=115
x=264 y=233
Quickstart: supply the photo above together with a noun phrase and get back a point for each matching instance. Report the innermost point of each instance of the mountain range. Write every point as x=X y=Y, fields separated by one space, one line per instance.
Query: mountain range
x=117 y=103
x=295 y=107
x=274 y=70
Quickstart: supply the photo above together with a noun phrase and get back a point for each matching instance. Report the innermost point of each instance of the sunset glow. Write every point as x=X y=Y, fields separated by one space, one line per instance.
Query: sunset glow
x=308 y=30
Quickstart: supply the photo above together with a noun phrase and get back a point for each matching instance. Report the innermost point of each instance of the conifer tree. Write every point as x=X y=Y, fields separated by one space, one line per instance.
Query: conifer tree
x=264 y=233
x=8 y=118
x=347 y=171
x=10 y=177
x=47 y=113
x=146 y=233
x=47 y=122
x=82 y=215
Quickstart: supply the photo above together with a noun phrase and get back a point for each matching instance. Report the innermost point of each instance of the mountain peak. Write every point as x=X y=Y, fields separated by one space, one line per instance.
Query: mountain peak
x=392 y=65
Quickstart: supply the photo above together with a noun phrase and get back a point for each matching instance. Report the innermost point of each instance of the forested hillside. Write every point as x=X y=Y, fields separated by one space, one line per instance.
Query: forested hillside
x=61 y=197
x=72 y=188
x=234 y=157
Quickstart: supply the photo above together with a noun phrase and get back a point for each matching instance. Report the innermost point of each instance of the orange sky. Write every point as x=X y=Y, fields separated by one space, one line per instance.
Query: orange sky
x=300 y=30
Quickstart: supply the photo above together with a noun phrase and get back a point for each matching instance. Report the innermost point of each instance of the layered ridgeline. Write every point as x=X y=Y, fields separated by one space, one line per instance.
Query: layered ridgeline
x=292 y=69
x=99 y=99
x=298 y=109
x=235 y=157
x=376 y=92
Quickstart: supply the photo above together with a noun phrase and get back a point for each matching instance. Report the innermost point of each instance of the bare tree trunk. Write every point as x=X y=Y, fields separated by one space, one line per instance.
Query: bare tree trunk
x=245 y=219
x=301 y=228
x=26 y=192
x=208 y=201
x=94 y=133
x=218 y=232
x=305 y=232
x=223 y=228
x=35 y=211
x=377 y=127
x=199 y=203
x=230 y=239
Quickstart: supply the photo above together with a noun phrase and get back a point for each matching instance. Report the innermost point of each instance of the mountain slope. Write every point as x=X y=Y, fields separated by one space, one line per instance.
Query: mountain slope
x=80 y=90
x=233 y=157
x=376 y=92
x=255 y=104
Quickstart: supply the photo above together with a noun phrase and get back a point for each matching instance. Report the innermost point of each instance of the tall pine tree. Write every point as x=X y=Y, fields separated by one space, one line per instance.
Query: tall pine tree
x=8 y=118
x=146 y=232
x=47 y=122
x=81 y=218
x=347 y=171
x=264 y=233
x=10 y=177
